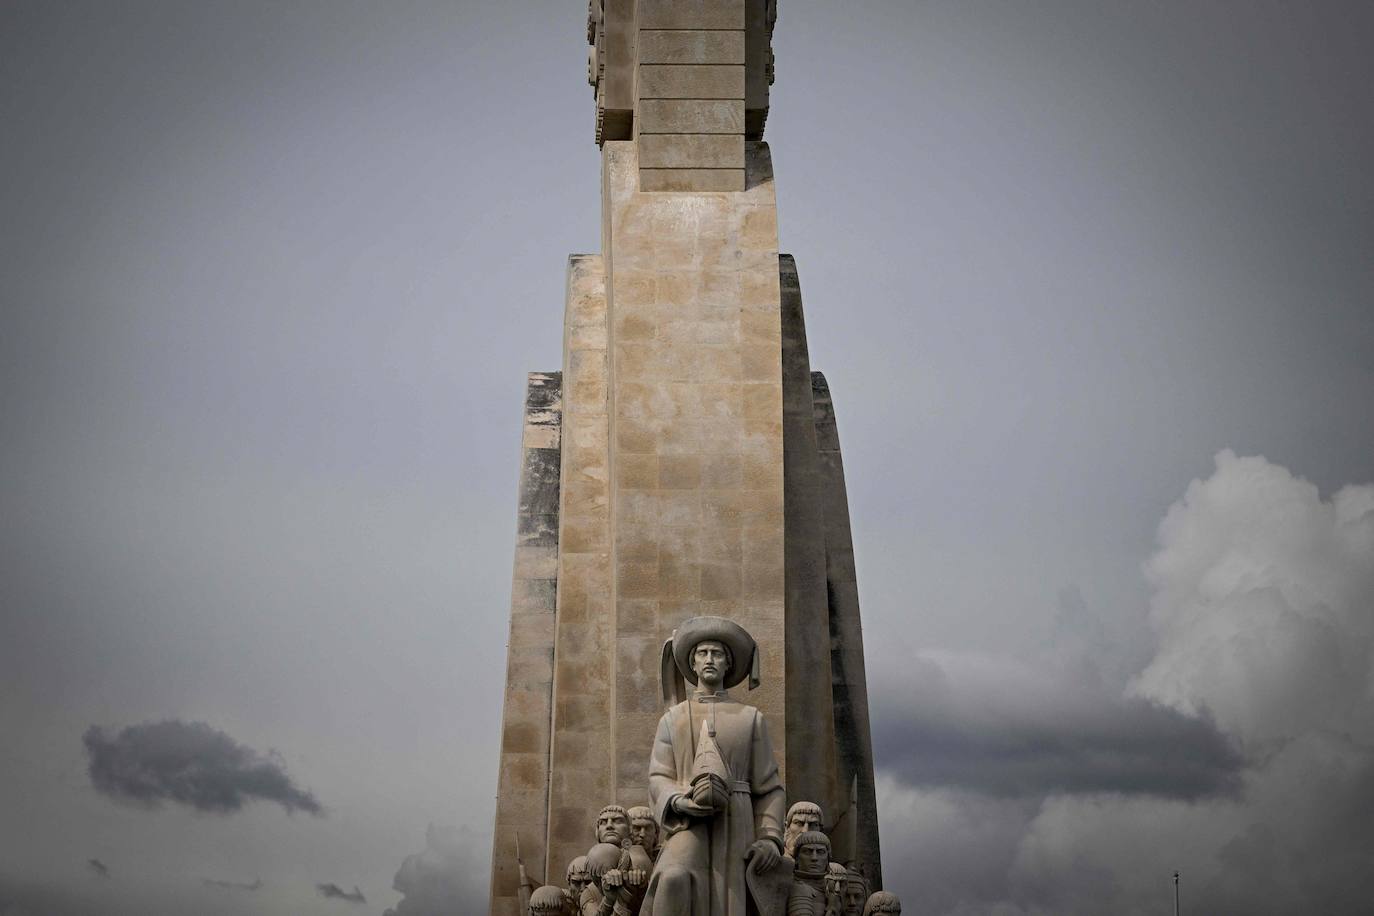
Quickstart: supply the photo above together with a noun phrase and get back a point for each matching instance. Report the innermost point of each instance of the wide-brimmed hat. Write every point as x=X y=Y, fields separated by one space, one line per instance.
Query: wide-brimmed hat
x=690 y=633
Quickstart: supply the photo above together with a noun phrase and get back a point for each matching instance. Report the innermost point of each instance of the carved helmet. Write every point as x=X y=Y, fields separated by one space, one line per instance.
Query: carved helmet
x=882 y=902
x=601 y=858
x=548 y=901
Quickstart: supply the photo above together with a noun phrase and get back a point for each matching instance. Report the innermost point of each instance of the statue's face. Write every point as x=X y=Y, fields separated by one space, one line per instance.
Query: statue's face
x=710 y=661
x=612 y=827
x=578 y=877
x=813 y=859
x=803 y=821
x=643 y=832
x=854 y=899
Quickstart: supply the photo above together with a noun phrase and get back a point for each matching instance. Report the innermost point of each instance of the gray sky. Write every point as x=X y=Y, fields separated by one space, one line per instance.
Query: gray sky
x=272 y=275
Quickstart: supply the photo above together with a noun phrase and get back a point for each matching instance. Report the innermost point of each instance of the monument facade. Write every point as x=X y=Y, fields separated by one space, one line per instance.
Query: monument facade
x=682 y=465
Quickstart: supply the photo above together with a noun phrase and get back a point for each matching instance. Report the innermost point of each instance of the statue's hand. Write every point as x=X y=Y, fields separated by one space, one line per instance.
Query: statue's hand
x=764 y=854
x=634 y=876
x=612 y=880
x=684 y=805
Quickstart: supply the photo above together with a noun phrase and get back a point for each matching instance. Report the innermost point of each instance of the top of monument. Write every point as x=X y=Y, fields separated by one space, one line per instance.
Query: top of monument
x=646 y=44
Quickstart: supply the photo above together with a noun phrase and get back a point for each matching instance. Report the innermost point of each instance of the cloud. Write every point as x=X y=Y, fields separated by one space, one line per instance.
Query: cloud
x=232 y=885
x=1262 y=606
x=447 y=877
x=1263 y=598
x=98 y=868
x=334 y=892
x=1007 y=727
x=192 y=764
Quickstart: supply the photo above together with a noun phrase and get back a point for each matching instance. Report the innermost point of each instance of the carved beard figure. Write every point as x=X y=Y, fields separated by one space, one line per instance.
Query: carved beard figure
x=801 y=817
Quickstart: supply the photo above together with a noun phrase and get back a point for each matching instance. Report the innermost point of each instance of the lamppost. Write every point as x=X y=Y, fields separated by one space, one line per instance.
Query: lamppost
x=1175 y=893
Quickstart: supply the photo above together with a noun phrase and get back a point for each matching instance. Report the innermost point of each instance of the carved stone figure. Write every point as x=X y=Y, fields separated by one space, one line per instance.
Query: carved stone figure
x=713 y=779
x=618 y=879
x=855 y=893
x=817 y=889
x=883 y=904
x=801 y=817
x=612 y=825
x=550 y=901
x=644 y=830
x=578 y=879
x=602 y=859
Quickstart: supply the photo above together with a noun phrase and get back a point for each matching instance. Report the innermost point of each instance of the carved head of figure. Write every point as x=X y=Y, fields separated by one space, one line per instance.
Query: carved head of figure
x=883 y=904
x=612 y=825
x=717 y=646
x=548 y=901
x=578 y=876
x=711 y=663
x=855 y=893
x=813 y=854
x=801 y=817
x=643 y=828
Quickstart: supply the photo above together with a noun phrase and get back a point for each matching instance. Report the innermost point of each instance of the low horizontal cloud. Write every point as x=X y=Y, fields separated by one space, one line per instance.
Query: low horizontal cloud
x=232 y=885
x=192 y=764
x=334 y=892
x=1007 y=728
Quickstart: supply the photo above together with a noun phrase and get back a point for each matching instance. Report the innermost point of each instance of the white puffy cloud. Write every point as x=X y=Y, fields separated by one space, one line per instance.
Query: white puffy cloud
x=1263 y=609
x=1264 y=603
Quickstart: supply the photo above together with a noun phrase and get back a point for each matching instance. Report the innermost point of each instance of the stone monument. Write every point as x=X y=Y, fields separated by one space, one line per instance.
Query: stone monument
x=683 y=463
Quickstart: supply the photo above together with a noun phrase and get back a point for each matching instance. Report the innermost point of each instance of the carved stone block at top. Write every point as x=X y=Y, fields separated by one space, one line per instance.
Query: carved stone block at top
x=691 y=116
x=691 y=179
x=687 y=81
x=691 y=14
x=680 y=46
x=691 y=151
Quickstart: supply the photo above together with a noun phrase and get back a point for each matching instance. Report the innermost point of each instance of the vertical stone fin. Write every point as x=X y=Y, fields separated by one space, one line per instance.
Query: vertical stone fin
x=854 y=742
x=522 y=789
x=810 y=737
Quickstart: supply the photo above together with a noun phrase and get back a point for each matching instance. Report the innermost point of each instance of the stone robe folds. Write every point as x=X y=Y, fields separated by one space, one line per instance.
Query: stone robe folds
x=701 y=867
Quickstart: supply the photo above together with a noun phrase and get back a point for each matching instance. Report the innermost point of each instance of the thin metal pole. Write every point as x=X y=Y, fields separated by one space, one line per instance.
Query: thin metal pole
x=1175 y=893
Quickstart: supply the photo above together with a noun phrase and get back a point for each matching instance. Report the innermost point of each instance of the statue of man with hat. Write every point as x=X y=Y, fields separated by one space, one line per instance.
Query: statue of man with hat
x=713 y=780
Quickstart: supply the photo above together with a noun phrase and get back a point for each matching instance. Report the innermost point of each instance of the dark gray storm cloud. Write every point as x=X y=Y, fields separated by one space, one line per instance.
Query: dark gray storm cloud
x=445 y=878
x=98 y=868
x=332 y=891
x=1001 y=727
x=192 y=764
x=223 y=885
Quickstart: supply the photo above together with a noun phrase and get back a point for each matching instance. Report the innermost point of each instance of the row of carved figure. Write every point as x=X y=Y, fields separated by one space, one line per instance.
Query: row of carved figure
x=715 y=839
x=612 y=878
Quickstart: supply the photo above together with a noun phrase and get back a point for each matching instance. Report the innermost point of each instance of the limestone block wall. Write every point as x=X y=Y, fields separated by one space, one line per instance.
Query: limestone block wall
x=522 y=794
x=690 y=94
x=696 y=433
x=582 y=750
